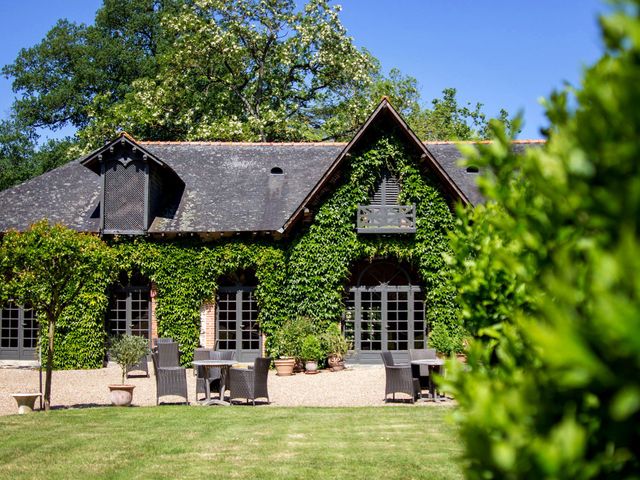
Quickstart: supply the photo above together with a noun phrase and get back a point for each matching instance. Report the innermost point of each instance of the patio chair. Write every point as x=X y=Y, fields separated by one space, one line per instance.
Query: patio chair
x=399 y=378
x=421 y=372
x=141 y=366
x=169 y=380
x=214 y=373
x=227 y=354
x=168 y=355
x=250 y=383
x=156 y=341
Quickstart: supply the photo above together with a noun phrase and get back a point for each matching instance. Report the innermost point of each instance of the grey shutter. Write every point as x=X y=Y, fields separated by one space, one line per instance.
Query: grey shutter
x=387 y=191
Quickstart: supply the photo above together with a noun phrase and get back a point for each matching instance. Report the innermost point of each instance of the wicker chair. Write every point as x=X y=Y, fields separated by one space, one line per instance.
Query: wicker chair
x=421 y=372
x=141 y=366
x=399 y=378
x=169 y=380
x=168 y=355
x=250 y=383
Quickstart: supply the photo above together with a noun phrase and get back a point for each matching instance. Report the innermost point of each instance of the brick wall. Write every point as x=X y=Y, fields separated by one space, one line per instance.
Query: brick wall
x=208 y=325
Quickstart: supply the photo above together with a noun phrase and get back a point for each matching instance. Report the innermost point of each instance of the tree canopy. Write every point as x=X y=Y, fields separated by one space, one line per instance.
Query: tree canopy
x=49 y=268
x=231 y=70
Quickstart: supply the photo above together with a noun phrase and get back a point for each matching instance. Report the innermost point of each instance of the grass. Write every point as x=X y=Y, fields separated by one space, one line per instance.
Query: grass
x=231 y=443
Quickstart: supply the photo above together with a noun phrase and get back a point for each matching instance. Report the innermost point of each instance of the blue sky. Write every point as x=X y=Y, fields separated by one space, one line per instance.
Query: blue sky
x=502 y=53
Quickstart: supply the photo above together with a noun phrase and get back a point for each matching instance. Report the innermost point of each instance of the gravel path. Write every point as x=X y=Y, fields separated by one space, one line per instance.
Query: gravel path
x=355 y=386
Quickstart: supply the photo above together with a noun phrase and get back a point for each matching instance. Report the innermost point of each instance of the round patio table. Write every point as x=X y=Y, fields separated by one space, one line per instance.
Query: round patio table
x=224 y=366
x=431 y=363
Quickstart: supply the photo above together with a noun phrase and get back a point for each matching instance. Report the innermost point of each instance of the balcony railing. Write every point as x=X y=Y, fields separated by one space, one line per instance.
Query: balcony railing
x=386 y=219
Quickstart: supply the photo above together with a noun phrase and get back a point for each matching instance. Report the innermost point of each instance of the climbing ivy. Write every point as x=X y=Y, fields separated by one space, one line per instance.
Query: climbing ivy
x=304 y=277
x=186 y=275
x=321 y=258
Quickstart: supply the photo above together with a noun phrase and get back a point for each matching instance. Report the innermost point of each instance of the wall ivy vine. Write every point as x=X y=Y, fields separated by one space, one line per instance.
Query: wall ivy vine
x=305 y=277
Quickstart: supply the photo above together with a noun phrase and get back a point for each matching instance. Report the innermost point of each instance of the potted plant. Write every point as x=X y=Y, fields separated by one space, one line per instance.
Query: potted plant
x=311 y=353
x=282 y=347
x=336 y=347
x=126 y=350
x=285 y=344
x=283 y=350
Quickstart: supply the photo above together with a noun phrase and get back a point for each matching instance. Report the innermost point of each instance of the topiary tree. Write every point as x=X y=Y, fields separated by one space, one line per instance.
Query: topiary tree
x=48 y=267
x=548 y=276
x=126 y=350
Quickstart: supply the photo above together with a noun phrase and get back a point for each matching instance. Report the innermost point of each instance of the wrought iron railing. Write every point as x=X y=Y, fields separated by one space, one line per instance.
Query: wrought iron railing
x=386 y=218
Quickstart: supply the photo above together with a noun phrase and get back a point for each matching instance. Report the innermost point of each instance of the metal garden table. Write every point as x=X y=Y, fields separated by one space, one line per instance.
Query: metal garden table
x=431 y=363
x=224 y=366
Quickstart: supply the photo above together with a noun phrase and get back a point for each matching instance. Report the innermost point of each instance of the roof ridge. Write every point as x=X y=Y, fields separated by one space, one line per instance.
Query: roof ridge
x=258 y=144
x=457 y=142
x=323 y=144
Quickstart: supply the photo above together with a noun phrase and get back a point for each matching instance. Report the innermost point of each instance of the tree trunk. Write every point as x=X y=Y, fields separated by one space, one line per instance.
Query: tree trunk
x=47 y=384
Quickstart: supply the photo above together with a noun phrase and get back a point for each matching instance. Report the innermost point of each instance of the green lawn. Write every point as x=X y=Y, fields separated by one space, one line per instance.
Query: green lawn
x=231 y=443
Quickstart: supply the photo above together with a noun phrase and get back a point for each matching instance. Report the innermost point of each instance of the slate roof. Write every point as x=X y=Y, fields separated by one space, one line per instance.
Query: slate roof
x=448 y=155
x=228 y=187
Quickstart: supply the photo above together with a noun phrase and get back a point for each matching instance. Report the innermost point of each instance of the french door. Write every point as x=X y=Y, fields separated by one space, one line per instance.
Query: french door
x=130 y=312
x=18 y=333
x=237 y=322
x=385 y=318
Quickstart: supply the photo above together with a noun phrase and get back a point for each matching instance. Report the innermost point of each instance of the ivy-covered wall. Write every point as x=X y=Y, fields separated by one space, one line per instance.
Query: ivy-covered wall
x=305 y=276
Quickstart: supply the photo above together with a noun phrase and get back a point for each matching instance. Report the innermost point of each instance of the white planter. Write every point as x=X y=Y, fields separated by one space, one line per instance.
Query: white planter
x=121 y=395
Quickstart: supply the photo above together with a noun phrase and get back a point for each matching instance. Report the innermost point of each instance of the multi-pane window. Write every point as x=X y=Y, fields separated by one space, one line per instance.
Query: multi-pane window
x=18 y=332
x=9 y=333
x=371 y=320
x=130 y=312
x=397 y=321
x=384 y=311
x=238 y=328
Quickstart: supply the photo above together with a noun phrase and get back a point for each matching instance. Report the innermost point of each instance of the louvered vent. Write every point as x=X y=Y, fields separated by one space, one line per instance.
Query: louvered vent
x=387 y=191
x=124 y=197
x=384 y=214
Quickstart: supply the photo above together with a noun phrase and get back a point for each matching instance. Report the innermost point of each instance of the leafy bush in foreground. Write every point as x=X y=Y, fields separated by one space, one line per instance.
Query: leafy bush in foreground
x=548 y=275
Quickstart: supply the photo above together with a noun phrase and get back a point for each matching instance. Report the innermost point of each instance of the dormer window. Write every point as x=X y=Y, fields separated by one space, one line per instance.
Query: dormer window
x=136 y=186
x=384 y=214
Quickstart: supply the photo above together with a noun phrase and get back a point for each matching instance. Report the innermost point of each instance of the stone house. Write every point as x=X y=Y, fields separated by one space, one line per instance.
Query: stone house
x=267 y=193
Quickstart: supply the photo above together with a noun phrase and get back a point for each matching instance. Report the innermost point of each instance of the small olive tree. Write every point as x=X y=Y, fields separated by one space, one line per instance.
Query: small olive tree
x=48 y=267
x=127 y=350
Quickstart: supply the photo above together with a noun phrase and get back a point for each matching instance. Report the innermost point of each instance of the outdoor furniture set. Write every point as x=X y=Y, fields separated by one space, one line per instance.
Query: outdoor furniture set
x=213 y=370
x=414 y=377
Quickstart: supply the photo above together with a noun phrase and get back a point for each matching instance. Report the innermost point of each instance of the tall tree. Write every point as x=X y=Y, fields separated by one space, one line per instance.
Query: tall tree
x=48 y=267
x=245 y=69
x=21 y=158
x=58 y=79
x=263 y=70
x=16 y=150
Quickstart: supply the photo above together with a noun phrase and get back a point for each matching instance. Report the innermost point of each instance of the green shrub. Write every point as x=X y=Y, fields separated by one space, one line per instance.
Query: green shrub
x=445 y=341
x=287 y=340
x=311 y=350
x=548 y=276
x=334 y=342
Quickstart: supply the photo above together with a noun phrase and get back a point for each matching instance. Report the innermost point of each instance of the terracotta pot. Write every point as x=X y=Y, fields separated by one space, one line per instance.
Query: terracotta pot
x=461 y=357
x=284 y=366
x=336 y=363
x=121 y=395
